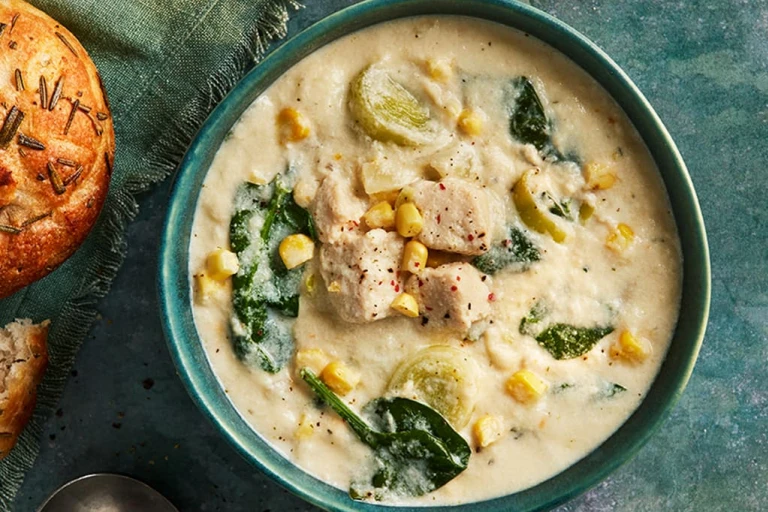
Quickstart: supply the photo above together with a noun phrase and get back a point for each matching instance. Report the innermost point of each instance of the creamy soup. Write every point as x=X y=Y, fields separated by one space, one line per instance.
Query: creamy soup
x=474 y=225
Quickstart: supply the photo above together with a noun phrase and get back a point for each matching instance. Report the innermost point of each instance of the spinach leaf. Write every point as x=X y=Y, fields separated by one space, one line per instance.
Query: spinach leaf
x=562 y=387
x=565 y=341
x=415 y=449
x=265 y=293
x=606 y=389
x=531 y=323
x=515 y=253
x=611 y=389
x=528 y=122
x=562 y=208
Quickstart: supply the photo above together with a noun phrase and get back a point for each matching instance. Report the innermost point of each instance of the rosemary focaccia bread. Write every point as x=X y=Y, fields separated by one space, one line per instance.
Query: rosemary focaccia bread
x=23 y=358
x=57 y=145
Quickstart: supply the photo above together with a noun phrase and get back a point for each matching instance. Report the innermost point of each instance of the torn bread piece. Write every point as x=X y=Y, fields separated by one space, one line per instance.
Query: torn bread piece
x=23 y=360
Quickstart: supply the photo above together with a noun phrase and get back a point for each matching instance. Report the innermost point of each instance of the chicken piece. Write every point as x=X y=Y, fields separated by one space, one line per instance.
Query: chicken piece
x=457 y=216
x=362 y=274
x=453 y=295
x=336 y=209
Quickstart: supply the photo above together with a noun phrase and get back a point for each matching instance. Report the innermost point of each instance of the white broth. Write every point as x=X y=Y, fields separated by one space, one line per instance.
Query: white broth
x=618 y=268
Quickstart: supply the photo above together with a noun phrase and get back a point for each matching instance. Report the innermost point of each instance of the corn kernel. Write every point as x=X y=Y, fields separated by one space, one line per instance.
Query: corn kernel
x=310 y=283
x=389 y=196
x=205 y=288
x=620 y=239
x=470 y=122
x=487 y=430
x=526 y=387
x=334 y=287
x=405 y=303
x=408 y=220
x=257 y=177
x=585 y=212
x=222 y=264
x=630 y=348
x=381 y=215
x=340 y=378
x=598 y=176
x=295 y=250
x=306 y=428
x=304 y=191
x=313 y=358
x=437 y=258
x=414 y=257
x=626 y=231
x=293 y=125
x=439 y=70
x=405 y=196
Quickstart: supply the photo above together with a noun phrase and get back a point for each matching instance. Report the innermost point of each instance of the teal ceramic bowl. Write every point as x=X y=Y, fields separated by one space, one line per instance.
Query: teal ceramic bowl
x=175 y=293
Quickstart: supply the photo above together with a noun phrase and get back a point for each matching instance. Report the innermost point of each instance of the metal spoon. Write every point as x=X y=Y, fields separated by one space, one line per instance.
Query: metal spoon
x=104 y=492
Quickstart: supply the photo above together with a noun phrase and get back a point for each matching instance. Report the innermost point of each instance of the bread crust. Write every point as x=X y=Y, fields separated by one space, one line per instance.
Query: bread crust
x=21 y=386
x=56 y=165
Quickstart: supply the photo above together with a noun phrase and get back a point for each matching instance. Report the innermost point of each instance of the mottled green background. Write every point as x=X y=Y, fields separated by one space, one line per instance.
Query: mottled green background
x=704 y=67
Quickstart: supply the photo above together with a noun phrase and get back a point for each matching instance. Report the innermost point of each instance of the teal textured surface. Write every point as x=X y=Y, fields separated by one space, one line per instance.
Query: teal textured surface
x=704 y=68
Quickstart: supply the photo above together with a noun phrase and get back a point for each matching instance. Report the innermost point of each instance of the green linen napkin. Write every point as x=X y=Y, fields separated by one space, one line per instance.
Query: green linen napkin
x=166 y=64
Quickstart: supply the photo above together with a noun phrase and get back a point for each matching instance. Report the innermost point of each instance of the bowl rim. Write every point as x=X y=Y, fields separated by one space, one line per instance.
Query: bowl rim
x=174 y=294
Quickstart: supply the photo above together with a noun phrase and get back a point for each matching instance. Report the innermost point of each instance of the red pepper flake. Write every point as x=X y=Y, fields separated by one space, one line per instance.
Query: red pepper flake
x=491 y=297
x=392 y=283
x=397 y=288
x=470 y=237
x=438 y=218
x=421 y=283
x=454 y=288
x=428 y=308
x=442 y=187
x=458 y=278
x=416 y=264
x=507 y=242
